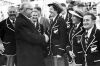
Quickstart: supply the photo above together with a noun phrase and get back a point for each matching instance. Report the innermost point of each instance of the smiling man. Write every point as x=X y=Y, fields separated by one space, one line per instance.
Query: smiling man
x=7 y=35
x=91 y=41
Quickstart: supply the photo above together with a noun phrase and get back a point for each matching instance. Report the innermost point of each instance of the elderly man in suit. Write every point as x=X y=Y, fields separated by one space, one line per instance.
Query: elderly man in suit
x=7 y=35
x=91 y=41
x=29 y=41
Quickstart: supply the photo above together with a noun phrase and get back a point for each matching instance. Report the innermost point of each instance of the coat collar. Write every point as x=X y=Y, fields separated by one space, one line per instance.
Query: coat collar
x=9 y=25
x=28 y=21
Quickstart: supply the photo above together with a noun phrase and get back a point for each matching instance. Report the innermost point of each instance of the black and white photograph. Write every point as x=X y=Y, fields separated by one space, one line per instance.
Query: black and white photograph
x=49 y=32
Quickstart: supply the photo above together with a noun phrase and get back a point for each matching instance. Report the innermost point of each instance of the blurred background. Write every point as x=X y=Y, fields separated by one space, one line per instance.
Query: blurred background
x=4 y=4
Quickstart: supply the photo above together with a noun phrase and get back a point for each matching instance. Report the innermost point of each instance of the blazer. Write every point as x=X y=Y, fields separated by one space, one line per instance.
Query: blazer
x=92 y=51
x=29 y=43
x=58 y=33
x=73 y=44
x=7 y=35
x=76 y=45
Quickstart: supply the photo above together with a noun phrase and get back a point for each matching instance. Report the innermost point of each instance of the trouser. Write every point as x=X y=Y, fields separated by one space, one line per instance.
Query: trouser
x=59 y=61
x=2 y=60
x=10 y=60
x=56 y=61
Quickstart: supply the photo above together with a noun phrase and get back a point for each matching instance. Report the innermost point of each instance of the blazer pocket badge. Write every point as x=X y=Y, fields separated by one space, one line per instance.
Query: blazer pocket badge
x=78 y=39
x=94 y=48
x=55 y=30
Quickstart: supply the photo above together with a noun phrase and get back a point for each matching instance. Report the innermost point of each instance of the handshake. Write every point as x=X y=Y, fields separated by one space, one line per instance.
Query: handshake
x=1 y=48
x=46 y=37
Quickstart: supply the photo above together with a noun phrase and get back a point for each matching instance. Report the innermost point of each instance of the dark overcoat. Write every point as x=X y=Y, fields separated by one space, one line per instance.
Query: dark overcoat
x=29 y=43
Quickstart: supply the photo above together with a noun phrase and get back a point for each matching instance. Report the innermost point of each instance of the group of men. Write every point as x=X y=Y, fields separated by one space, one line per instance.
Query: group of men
x=27 y=38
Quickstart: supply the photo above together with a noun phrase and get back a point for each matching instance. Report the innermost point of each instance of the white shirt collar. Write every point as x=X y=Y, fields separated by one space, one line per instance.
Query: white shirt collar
x=64 y=15
x=11 y=20
x=54 y=18
x=39 y=19
x=89 y=31
x=78 y=25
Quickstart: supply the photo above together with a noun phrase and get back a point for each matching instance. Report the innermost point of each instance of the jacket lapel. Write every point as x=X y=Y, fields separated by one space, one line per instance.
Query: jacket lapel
x=9 y=25
x=78 y=30
x=53 y=25
x=55 y=21
x=92 y=37
x=83 y=43
x=70 y=34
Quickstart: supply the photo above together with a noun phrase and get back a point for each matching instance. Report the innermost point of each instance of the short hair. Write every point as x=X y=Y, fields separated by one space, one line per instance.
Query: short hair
x=93 y=17
x=38 y=8
x=22 y=6
x=56 y=7
x=10 y=7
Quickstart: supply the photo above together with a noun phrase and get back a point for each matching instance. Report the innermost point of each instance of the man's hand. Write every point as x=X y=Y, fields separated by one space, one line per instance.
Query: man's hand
x=46 y=37
x=71 y=54
x=1 y=48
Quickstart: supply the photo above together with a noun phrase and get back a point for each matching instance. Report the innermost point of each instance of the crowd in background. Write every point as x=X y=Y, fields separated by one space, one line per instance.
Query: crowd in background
x=68 y=37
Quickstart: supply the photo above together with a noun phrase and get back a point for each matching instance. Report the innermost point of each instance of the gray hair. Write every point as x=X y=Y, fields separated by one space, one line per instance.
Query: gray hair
x=12 y=7
x=23 y=5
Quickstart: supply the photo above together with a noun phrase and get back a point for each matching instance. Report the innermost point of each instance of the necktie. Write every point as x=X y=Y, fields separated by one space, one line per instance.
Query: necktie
x=13 y=23
x=38 y=27
x=86 y=38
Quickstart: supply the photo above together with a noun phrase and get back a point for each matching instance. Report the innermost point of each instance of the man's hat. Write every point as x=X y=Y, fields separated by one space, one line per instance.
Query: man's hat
x=76 y=13
x=56 y=6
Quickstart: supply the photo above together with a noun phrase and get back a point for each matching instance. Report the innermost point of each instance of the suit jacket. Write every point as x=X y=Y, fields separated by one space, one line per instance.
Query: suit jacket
x=30 y=43
x=92 y=51
x=58 y=32
x=7 y=35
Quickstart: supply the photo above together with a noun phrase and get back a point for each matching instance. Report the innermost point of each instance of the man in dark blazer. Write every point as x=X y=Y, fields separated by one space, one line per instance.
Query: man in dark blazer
x=74 y=46
x=91 y=41
x=58 y=33
x=42 y=20
x=29 y=41
x=7 y=35
x=66 y=16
